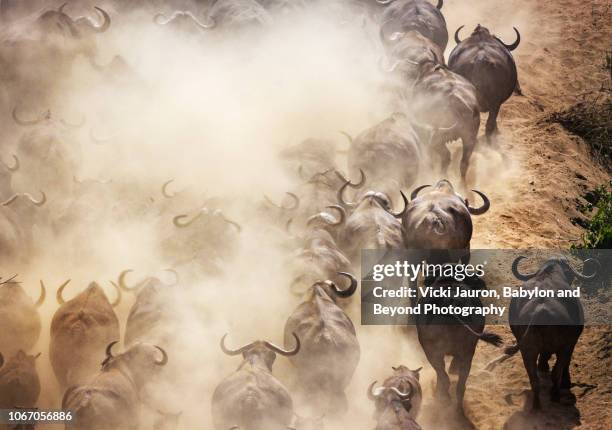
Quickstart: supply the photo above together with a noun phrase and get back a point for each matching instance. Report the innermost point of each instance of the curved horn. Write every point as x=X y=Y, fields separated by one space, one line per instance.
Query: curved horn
x=286 y=353
x=61 y=8
x=350 y=290
x=440 y=4
x=518 y=275
x=516 y=42
x=109 y=349
x=401 y=395
x=234 y=223
x=296 y=202
x=43 y=295
x=342 y=213
x=374 y=394
x=23 y=122
x=457 y=40
x=42 y=201
x=341 y=196
x=235 y=351
x=384 y=2
x=200 y=24
x=164 y=359
x=164 y=189
x=10 y=200
x=348 y=136
x=583 y=276
x=15 y=166
x=157 y=19
x=482 y=209
x=118 y=299
x=182 y=224
x=416 y=191
x=60 y=290
x=403 y=212
x=122 y=283
x=105 y=24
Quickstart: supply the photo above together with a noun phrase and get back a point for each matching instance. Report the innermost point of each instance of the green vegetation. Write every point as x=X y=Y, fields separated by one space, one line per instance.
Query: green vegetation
x=598 y=233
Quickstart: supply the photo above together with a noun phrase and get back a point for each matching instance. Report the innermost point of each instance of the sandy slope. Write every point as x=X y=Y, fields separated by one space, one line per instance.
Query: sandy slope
x=564 y=62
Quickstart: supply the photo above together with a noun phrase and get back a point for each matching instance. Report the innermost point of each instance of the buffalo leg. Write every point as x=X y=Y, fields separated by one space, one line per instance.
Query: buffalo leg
x=491 y=127
x=563 y=359
x=530 y=359
x=463 y=366
x=566 y=380
x=443 y=382
x=469 y=142
x=543 y=362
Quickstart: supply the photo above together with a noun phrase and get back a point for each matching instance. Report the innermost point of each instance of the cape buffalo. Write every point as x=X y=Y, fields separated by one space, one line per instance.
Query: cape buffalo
x=372 y=224
x=110 y=399
x=330 y=349
x=404 y=15
x=80 y=330
x=408 y=50
x=405 y=381
x=440 y=219
x=391 y=408
x=448 y=104
x=544 y=326
x=152 y=318
x=19 y=382
x=487 y=62
x=388 y=153
x=252 y=398
x=455 y=336
x=19 y=317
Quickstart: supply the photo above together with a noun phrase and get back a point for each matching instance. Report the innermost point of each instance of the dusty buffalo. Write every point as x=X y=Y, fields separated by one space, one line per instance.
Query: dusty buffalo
x=372 y=224
x=19 y=382
x=19 y=317
x=110 y=399
x=80 y=331
x=440 y=219
x=330 y=349
x=392 y=407
x=152 y=318
x=448 y=104
x=319 y=256
x=6 y=174
x=401 y=16
x=252 y=398
x=487 y=62
x=387 y=153
x=544 y=326
x=238 y=13
x=407 y=50
x=403 y=380
x=454 y=336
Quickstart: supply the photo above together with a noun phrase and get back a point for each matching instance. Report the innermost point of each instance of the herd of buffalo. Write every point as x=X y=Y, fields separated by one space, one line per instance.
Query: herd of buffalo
x=327 y=220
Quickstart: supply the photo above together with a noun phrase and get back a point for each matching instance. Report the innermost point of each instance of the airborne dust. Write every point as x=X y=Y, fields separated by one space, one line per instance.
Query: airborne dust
x=212 y=111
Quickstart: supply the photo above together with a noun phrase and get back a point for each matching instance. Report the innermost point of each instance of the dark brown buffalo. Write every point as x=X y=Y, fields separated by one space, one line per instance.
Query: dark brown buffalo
x=544 y=326
x=391 y=408
x=372 y=224
x=80 y=331
x=152 y=318
x=330 y=349
x=111 y=398
x=19 y=382
x=440 y=219
x=252 y=398
x=405 y=381
x=388 y=153
x=448 y=104
x=454 y=336
x=487 y=62
x=19 y=317
x=401 y=16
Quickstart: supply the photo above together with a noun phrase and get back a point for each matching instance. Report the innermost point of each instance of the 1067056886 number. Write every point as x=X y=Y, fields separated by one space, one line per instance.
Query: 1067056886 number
x=35 y=416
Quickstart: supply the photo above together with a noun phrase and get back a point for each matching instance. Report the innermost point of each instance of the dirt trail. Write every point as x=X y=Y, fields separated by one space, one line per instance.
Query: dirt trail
x=565 y=63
